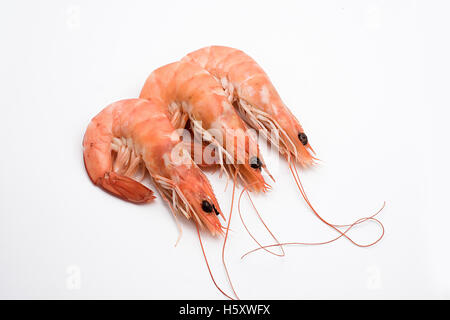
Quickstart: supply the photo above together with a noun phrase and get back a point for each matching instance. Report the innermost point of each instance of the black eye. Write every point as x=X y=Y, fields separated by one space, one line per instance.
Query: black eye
x=255 y=163
x=206 y=206
x=303 y=138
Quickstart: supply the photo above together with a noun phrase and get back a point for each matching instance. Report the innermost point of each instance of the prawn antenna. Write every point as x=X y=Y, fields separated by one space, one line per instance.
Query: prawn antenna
x=349 y=226
x=278 y=244
x=226 y=236
x=296 y=176
x=207 y=264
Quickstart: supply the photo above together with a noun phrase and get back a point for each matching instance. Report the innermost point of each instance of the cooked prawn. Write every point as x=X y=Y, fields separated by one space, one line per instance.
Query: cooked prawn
x=135 y=133
x=252 y=93
x=250 y=90
x=191 y=93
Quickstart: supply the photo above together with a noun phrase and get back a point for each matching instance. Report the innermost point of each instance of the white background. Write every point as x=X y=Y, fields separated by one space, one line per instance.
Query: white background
x=369 y=81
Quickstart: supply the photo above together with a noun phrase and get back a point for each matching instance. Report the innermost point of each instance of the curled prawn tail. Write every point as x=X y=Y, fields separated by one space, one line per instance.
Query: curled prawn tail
x=119 y=185
x=112 y=163
x=125 y=188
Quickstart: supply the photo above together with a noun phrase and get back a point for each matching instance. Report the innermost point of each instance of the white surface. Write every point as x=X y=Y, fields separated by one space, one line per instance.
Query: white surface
x=367 y=79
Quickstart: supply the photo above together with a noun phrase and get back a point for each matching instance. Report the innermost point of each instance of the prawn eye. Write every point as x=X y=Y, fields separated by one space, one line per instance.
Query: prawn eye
x=303 y=138
x=255 y=163
x=207 y=207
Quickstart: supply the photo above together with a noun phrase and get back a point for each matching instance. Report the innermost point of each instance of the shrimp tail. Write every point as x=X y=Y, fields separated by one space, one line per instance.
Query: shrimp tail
x=125 y=188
